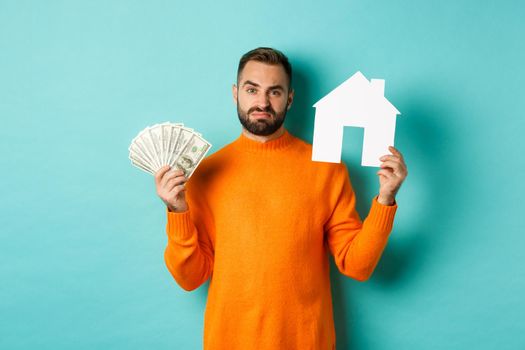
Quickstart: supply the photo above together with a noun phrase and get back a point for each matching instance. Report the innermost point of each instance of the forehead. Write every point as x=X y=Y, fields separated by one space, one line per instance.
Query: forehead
x=263 y=74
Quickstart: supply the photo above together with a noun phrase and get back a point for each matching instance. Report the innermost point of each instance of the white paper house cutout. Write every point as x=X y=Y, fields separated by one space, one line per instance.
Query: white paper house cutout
x=360 y=103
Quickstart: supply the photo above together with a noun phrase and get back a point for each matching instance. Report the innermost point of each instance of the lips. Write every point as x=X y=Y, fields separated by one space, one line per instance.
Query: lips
x=261 y=115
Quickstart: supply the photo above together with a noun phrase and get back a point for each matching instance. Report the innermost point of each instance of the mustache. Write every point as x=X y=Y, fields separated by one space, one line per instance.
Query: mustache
x=268 y=109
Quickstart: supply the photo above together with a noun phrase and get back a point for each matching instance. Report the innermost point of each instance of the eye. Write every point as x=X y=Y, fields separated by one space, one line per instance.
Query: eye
x=250 y=90
x=276 y=93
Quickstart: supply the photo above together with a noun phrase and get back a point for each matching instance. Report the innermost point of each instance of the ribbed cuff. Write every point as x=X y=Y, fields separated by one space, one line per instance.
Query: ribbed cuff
x=180 y=227
x=381 y=216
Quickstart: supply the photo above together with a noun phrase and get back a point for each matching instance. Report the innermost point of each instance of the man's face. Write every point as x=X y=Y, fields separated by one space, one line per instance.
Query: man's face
x=262 y=97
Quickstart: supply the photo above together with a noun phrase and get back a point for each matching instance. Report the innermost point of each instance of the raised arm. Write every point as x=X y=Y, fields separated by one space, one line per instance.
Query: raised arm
x=189 y=251
x=356 y=246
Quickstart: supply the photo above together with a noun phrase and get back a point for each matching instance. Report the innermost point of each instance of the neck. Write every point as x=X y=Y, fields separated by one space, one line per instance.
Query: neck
x=264 y=138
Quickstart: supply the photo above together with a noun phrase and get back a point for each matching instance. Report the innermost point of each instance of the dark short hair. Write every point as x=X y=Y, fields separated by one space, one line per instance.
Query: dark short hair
x=269 y=56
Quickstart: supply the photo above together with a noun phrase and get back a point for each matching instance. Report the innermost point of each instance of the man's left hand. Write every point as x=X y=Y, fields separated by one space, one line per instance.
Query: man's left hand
x=392 y=174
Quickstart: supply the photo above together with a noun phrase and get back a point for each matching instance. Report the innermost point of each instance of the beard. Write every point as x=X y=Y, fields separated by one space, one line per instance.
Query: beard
x=261 y=127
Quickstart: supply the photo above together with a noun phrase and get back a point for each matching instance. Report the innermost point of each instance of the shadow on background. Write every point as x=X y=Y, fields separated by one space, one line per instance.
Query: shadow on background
x=300 y=117
x=436 y=177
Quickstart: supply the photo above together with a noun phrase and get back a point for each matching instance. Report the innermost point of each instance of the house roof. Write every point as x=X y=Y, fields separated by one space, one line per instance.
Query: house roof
x=358 y=86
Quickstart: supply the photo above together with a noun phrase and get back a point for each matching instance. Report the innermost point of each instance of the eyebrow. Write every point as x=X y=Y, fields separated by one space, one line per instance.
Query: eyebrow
x=249 y=82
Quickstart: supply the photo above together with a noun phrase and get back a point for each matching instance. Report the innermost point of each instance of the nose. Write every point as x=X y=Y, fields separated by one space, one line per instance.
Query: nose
x=263 y=101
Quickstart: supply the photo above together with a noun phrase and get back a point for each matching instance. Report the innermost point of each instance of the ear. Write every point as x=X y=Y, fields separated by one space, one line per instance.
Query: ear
x=234 y=93
x=291 y=94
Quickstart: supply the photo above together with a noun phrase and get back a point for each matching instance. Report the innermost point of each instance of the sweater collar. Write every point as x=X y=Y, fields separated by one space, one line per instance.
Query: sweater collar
x=245 y=143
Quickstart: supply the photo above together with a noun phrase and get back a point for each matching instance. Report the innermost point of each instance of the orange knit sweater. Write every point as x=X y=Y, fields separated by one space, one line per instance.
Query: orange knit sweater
x=262 y=220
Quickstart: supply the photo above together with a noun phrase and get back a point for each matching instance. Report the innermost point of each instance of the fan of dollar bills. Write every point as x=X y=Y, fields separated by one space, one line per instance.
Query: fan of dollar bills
x=168 y=144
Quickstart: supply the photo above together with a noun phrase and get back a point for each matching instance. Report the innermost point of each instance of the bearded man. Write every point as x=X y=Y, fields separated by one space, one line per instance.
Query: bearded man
x=260 y=219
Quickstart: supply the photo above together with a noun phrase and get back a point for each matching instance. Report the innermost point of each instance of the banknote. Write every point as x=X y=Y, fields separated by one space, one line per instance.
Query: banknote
x=168 y=143
x=139 y=150
x=192 y=154
x=165 y=131
x=146 y=142
x=184 y=136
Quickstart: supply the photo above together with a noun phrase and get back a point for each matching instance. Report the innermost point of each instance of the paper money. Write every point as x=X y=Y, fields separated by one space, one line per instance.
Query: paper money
x=192 y=154
x=168 y=144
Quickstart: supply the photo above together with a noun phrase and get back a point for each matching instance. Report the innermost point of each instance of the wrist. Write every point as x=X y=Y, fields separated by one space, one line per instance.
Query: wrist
x=179 y=209
x=386 y=200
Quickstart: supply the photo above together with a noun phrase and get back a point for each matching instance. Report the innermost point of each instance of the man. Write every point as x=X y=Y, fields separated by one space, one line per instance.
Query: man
x=260 y=218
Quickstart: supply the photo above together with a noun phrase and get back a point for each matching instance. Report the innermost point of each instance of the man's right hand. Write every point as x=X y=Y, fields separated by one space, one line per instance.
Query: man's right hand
x=171 y=189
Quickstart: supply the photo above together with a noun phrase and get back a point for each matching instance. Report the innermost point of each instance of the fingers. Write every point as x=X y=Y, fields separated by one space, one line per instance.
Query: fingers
x=175 y=192
x=160 y=173
x=395 y=161
x=395 y=165
x=386 y=173
x=395 y=154
x=395 y=151
x=171 y=183
x=170 y=175
x=390 y=157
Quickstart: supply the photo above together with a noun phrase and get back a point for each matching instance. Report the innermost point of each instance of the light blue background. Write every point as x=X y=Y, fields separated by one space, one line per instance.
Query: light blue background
x=82 y=231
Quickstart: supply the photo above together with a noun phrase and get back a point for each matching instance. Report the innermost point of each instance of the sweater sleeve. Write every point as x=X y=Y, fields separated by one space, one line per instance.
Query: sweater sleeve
x=356 y=246
x=189 y=253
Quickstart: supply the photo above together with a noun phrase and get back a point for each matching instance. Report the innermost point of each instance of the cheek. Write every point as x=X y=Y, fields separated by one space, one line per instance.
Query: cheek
x=279 y=104
x=244 y=103
x=244 y=97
